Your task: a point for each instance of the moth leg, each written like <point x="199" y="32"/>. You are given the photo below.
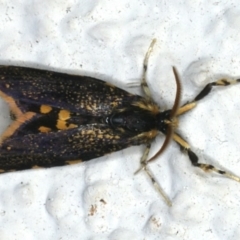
<point x="195" y="161"/>
<point x="143" y="161"/>
<point x="206" y="90"/>
<point x="157" y="186"/>
<point x="144" y="84"/>
<point x="144" y="167"/>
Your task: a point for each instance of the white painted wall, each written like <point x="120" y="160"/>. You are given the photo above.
<point x="108" y="40"/>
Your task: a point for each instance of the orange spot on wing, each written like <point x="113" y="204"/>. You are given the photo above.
<point x="16" y="124"/>
<point x="44" y="129"/>
<point x="72" y="125"/>
<point x="64" y="114"/>
<point x="62" y="125"/>
<point x="45" y="109"/>
<point x="12" y="104"/>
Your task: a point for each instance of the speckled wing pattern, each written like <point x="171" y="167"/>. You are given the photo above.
<point x="59" y="118"/>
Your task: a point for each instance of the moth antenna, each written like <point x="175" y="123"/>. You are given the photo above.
<point x="165" y="144"/>
<point x="172" y="116"/>
<point x="178" y="94"/>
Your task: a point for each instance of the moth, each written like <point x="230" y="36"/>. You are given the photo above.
<point x="61" y="119"/>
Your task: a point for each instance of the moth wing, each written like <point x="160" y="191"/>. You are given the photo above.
<point x="63" y="147"/>
<point x="24" y="88"/>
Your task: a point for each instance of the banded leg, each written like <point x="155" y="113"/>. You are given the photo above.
<point x="206" y="90"/>
<point x="150" y="175"/>
<point x="157" y="186"/>
<point x="144" y="85"/>
<point x="143" y="161"/>
<point x="194" y="159"/>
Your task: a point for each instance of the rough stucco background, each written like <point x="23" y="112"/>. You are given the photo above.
<point x="102" y="199"/>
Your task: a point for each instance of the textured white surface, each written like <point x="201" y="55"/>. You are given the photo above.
<point x="102" y="199"/>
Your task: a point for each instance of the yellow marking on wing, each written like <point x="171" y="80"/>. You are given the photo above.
<point x="72" y="125"/>
<point x="16" y="125"/>
<point x="45" y="109"/>
<point x="44" y="129"/>
<point x="12" y="104"/>
<point x="70" y="162"/>
<point x="62" y="125"/>
<point x="64" y="114"/>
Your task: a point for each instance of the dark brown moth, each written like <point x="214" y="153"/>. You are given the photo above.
<point x="62" y="119"/>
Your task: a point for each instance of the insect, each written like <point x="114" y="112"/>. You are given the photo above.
<point x="61" y="119"/>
